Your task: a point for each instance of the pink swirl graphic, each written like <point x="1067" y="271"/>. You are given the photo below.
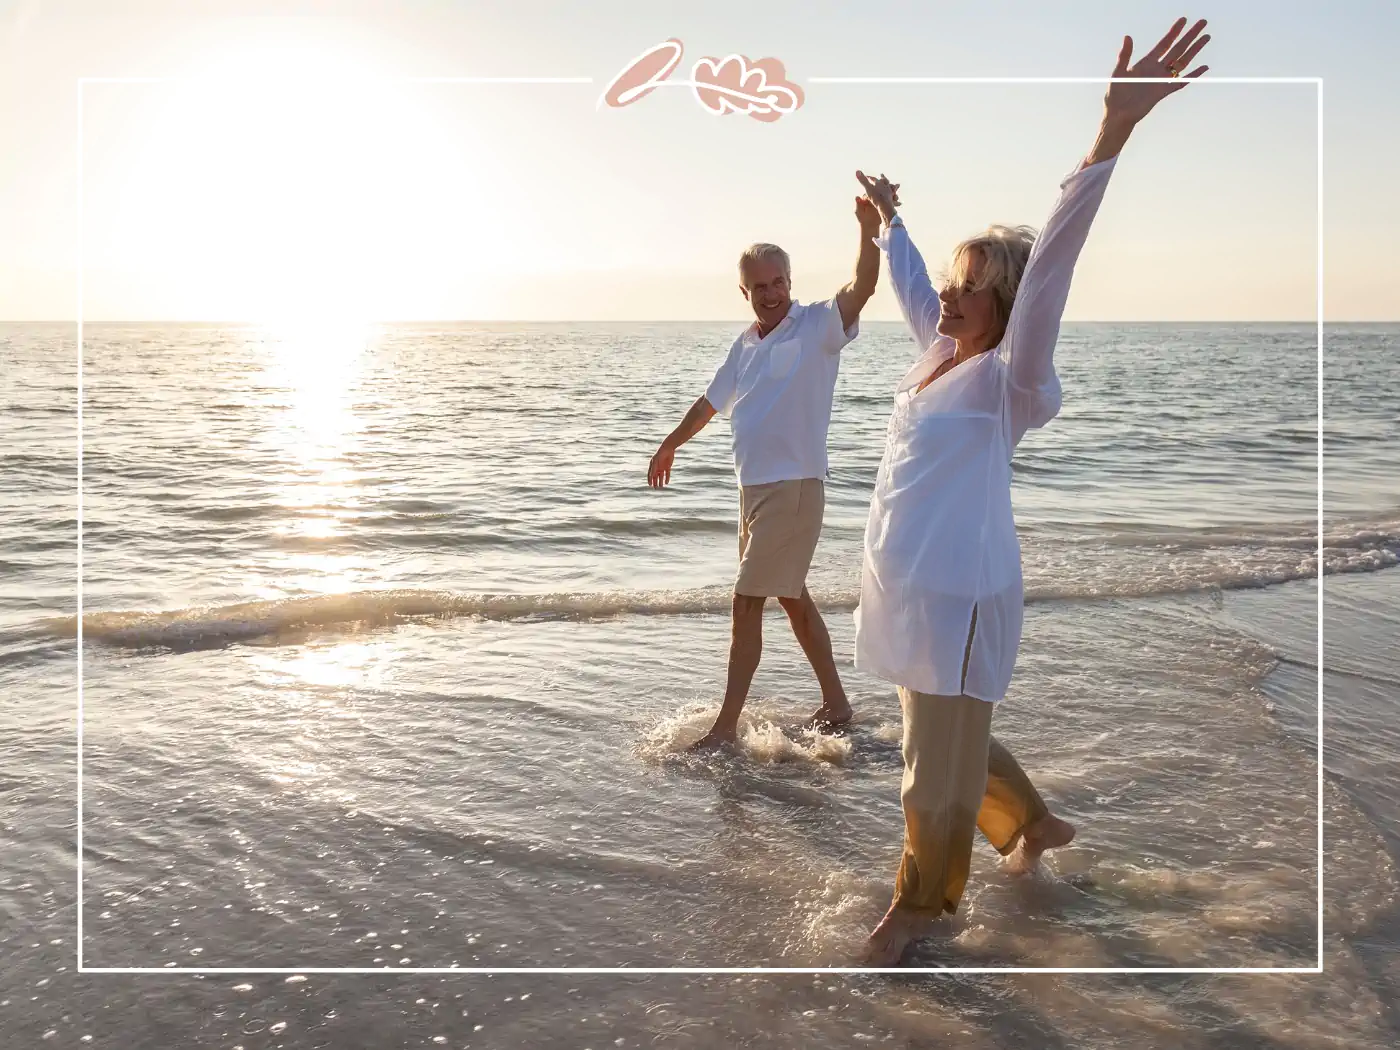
<point x="644" y="74"/>
<point x="734" y="84"/>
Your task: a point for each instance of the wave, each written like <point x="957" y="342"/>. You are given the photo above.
<point x="1063" y="562"/>
<point x="1217" y="579"/>
<point x="205" y="627"/>
<point x="401" y="524"/>
<point x="1337" y="536"/>
<point x="213" y="626"/>
<point x="1332" y="669"/>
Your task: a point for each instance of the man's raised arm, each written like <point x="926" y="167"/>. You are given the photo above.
<point x="851" y="299"/>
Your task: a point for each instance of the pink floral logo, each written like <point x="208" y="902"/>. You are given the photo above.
<point x="734" y="84"/>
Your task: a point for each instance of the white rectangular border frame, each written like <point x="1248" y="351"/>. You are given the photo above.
<point x="82" y="82"/>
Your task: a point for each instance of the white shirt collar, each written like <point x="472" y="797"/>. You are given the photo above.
<point x="751" y="335"/>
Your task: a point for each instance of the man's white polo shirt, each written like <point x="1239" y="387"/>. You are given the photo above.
<point x="777" y="393"/>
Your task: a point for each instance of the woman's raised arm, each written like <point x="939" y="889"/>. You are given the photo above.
<point x="918" y="299"/>
<point x="1034" y="326"/>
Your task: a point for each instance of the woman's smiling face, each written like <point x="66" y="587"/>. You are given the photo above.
<point x="969" y="312"/>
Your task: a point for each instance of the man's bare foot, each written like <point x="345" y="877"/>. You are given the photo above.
<point x="897" y="930"/>
<point x="1050" y="832"/>
<point x="830" y="716"/>
<point x="715" y="739"/>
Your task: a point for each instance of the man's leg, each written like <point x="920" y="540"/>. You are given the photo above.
<point x="812" y="635"/>
<point x="745" y="649"/>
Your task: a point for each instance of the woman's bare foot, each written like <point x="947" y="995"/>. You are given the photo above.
<point x="1049" y="832"/>
<point x="830" y="716"/>
<point x="892" y="937"/>
<point x="715" y="739"/>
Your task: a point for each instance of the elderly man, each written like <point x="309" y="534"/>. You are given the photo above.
<point x="776" y="385"/>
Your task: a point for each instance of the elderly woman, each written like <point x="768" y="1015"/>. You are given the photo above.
<point x="941" y="593"/>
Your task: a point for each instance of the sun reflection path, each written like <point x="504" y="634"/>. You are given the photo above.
<point x="313" y="371"/>
<point x="315" y="365"/>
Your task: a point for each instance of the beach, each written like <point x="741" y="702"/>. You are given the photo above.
<point x="390" y="658"/>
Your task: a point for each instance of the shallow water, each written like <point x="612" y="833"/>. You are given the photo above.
<point x="312" y="739"/>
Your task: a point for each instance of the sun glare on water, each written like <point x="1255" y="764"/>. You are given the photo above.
<point x="312" y="192"/>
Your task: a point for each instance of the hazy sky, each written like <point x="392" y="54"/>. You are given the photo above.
<point x="290" y="174"/>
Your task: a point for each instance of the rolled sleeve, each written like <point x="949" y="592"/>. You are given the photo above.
<point x="724" y="387"/>
<point x="833" y="336"/>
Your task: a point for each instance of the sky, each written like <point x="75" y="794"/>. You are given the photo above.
<point x="286" y="169"/>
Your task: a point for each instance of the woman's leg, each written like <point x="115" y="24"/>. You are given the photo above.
<point x="1011" y="803"/>
<point x="1014" y="817"/>
<point x="945" y="776"/>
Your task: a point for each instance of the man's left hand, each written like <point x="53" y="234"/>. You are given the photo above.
<point x="868" y="216"/>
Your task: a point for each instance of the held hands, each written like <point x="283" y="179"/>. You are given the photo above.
<point x="1127" y="103"/>
<point x="880" y="192"/>
<point x="659" y="471"/>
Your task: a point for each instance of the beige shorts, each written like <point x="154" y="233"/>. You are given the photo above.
<point x="779" y="525"/>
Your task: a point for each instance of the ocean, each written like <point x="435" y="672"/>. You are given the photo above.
<point x="390" y="657"/>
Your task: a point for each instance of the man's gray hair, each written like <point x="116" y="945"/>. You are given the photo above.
<point x="759" y="252"/>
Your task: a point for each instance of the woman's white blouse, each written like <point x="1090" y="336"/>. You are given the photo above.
<point x="941" y="540"/>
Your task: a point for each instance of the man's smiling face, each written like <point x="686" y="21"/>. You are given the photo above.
<point x="766" y="284"/>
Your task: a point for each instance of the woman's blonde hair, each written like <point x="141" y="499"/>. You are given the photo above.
<point x="1005" y="251"/>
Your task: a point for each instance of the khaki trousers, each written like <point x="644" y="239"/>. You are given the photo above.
<point x="956" y="778"/>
